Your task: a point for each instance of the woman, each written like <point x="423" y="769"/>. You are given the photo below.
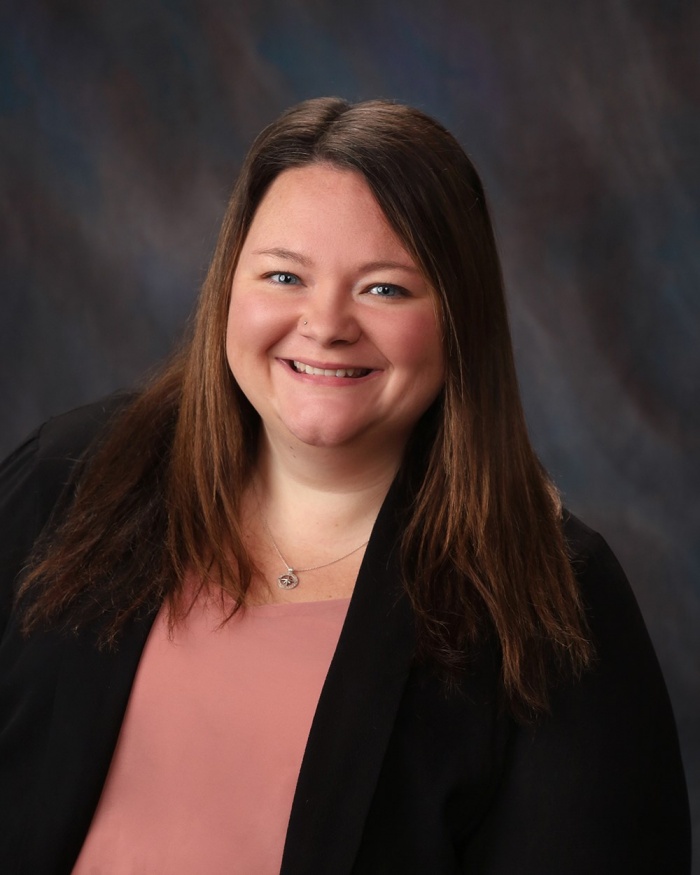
<point x="310" y="600"/>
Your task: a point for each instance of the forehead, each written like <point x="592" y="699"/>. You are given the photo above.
<point x="320" y="204"/>
<point x="316" y="180"/>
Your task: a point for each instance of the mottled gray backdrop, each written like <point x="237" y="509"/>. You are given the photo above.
<point x="122" y="125"/>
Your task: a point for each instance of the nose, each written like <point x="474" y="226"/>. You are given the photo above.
<point x="329" y="318"/>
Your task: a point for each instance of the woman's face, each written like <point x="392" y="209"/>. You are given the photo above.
<point x="332" y="330"/>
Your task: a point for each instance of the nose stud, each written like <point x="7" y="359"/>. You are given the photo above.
<point x="306" y="322"/>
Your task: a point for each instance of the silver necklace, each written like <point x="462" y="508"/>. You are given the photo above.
<point x="290" y="579"/>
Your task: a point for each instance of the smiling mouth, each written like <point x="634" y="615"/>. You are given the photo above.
<point x="302" y="368"/>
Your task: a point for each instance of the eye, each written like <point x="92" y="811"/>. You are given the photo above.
<point x="283" y="279"/>
<point x="386" y="290"/>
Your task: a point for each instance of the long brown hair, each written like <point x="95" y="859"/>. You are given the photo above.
<point x="483" y="549"/>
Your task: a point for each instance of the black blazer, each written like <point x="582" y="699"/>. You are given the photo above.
<point x="397" y="777"/>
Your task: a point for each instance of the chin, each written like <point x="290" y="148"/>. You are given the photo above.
<point x="322" y="438"/>
<point x="325" y="434"/>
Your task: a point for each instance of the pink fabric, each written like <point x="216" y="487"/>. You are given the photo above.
<point x="204" y="772"/>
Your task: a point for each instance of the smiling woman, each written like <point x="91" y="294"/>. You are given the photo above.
<point x="309" y="603"/>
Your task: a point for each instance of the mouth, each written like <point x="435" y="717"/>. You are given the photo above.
<point x="353" y="373"/>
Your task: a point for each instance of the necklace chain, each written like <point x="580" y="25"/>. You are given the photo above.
<point x="290" y="580"/>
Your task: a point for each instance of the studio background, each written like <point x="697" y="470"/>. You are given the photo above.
<point x="122" y="126"/>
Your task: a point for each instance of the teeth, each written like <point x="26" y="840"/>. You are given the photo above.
<point x="322" y="372"/>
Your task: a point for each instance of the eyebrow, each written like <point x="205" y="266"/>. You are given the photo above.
<point x="304" y="261"/>
<point x="289" y="254"/>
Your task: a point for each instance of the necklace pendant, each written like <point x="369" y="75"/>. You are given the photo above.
<point x="289" y="580"/>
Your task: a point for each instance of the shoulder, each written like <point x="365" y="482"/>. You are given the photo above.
<point x="69" y="435"/>
<point x="625" y="672"/>
<point x="608" y="598"/>
<point x="586" y="546"/>
<point x="47" y="459"/>
<point x="37" y="474"/>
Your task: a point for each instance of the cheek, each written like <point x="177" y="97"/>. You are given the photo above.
<point x="420" y="345"/>
<point x="252" y="326"/>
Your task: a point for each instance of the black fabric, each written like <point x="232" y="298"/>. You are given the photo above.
<point x="398" y="776"/>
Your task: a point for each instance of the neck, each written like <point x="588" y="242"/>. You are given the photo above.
<point x="324" y="489"/>
<point x="318" y="506"/>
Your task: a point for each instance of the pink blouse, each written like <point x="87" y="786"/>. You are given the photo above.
<point x="204" y="772"/>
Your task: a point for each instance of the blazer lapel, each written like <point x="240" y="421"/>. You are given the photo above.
<point x="356" y="711"/>
<point x="92" y="692"/>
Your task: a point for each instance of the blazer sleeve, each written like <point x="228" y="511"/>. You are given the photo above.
<point x="597" y="786"/>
